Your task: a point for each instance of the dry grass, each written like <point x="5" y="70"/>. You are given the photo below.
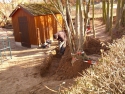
<point x="107" y="77"/>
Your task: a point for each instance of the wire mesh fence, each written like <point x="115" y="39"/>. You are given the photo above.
<point x="5" y="48"/>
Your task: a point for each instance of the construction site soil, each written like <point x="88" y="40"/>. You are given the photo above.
<point x="62" y="68"/>
<point x="42" y="71"/>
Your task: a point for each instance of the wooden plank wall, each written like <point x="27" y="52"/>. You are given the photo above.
<point x="60" y="20"/>
<point x="45" y="26"/>
<point x="41" y="26"/>
<point x="48" y="26"/>
<point x="31" y="26"/>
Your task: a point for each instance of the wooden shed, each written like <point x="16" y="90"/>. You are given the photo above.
<point x="33" y="24"/>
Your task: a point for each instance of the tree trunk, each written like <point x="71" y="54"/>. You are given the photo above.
<point x="118" y="14"/>
<point x="81" y="26"/>
<point x="77" y="24"/>
<point x="111" y="18"/>
<point x="93" y="27"/>
<point x="70" y="25"/>
<point x="123" y="14"/>
<point x="104" y="11"/>
<point x="87" y="19"/>
<point x="108" y="17"/>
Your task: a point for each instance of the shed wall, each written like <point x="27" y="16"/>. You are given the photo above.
<point x="31" y="26"/>
<point x="40" y="28"/>
<point x="47" y="26"/>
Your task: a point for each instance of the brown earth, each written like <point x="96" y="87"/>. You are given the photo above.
<point x="29" y="72"/>
<point x="64" y="68"/>
<point x="21" y="74"/>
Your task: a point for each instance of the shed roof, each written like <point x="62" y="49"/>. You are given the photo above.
<point x="36" y="9"/>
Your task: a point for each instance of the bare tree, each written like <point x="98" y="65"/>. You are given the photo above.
<point x="104" y="11"/>
<point x="93" y="27"/>
<point x="118" y="13"/>
<point x="111" y="19"/>
<point x="75" y="33"/>
<point x="7" y="6"/>
<point x="123" y="17"/>
<point x="108" y="16"/>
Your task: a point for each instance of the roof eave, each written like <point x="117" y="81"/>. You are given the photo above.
<point x="18" y="7"/>
<point x="14" y="11"/>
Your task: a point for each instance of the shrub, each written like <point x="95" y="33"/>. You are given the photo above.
<point x="107" y="76"/>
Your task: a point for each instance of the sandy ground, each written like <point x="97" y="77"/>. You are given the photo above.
<point x="21" y="74"/>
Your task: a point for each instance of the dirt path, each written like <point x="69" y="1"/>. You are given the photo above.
<point x="21" y="74"/>
<point x="100" y="31"/>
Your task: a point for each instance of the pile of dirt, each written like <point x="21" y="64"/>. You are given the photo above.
<point x="50" y="65"/>
<point x="46" y="65"/>
<point x="119" y="33"/>
<point x="67" y="70"/>
<point x="62" y="68"/>
<point x="93" y="46"/>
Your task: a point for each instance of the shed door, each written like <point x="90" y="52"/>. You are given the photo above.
<point x="23" y="27"/>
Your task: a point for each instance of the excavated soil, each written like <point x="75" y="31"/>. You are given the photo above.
<point x="62" y="68"/>
<point x="119" y="33"/>
<point x="93" y="46"/>
<point x="36" y="71"/>
<point x="67" y="70"/>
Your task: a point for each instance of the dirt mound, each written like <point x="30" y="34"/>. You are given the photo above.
<point x="46" y="65"/>
<point x="119" y="33"/>
<point x="66" y="70"/>
<point x="93" y="46"/>
<point x="62" y="68"/>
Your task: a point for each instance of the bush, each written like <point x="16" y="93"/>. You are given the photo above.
<point x="107" y="77"/>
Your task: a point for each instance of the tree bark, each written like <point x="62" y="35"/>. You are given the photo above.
<point x="108" y="17"/>
<point x="111" y="19"/>
<point x="104" y="11"/>
<point x="93" y="27"/>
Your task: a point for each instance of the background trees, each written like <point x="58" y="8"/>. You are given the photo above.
<point x="7" y="6"/>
